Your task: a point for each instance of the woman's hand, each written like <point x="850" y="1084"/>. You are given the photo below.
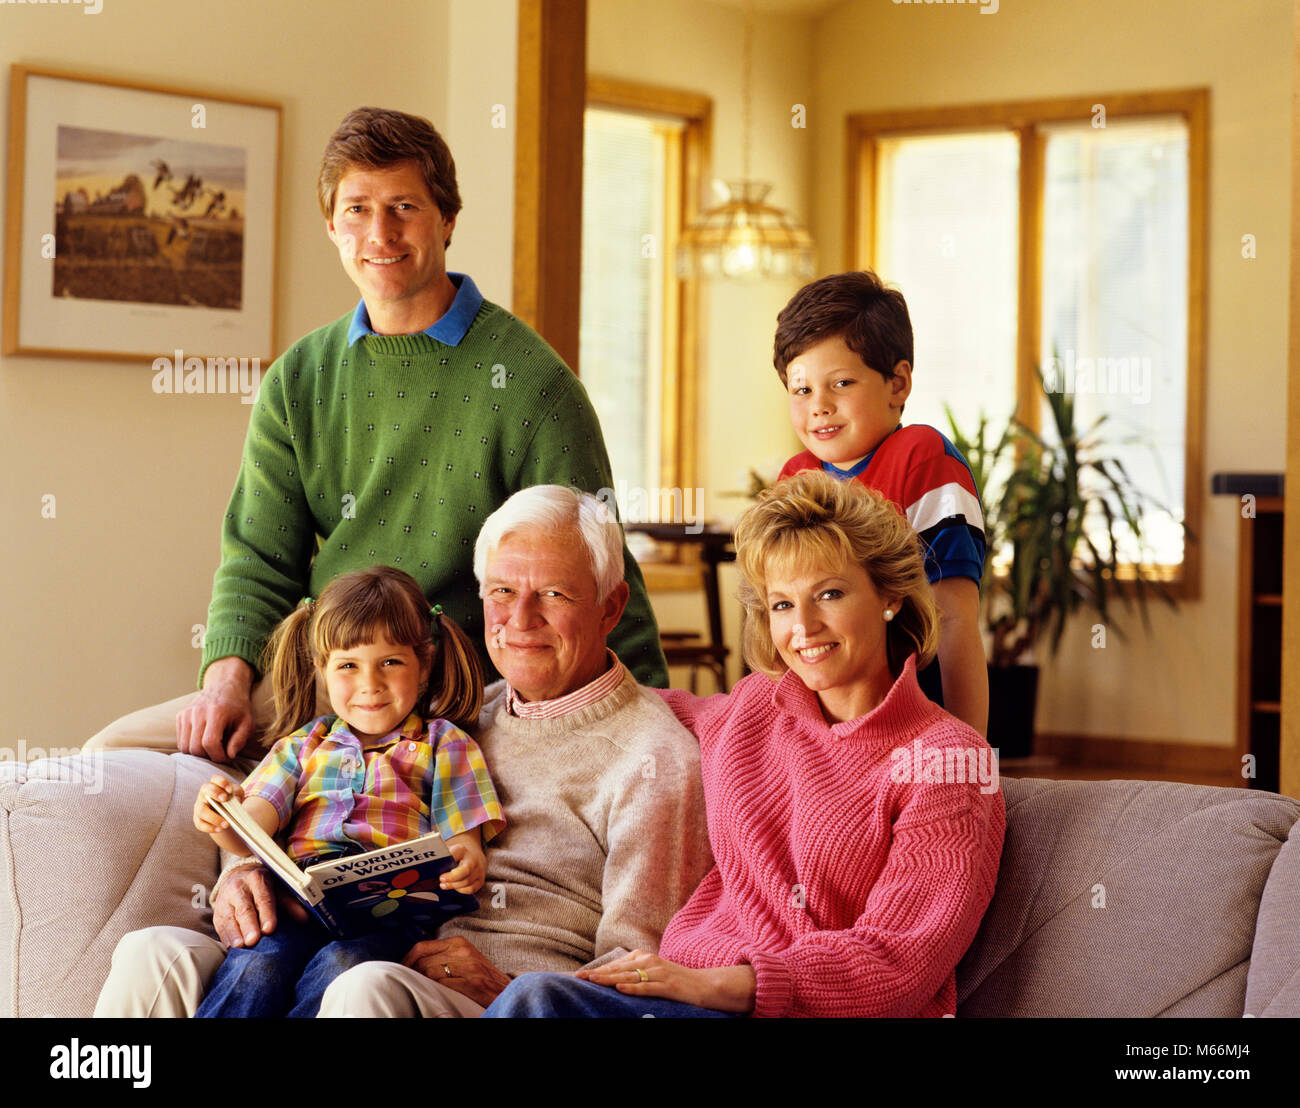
<point x="726" y="988"/>
<point x="217" y="787"/>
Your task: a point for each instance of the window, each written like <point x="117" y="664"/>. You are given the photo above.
<point x="644" y="158"/>
<point x="1061" y="235"/>
<point x="1114" y="296"/>
<point x="622" y="321"/>
<point x="953" y="253"/>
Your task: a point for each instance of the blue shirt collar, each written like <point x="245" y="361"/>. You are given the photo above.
<point x="847" y="474"/>
<point x="449" y="330"/>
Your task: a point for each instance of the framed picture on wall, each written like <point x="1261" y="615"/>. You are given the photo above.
<point x="140" y="222"/>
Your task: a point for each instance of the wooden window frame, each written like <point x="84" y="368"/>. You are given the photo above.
<point x="679" y="438"/>
<point x="1026" y="118"/>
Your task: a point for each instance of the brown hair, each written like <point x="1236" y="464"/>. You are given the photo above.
<point x="353" y="610"/>
<point x="871" y="318"/>
<point x="378" y="138"/>
<point x="814" y="518"/>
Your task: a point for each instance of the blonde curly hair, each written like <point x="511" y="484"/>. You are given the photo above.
<point x="814" y="518"/>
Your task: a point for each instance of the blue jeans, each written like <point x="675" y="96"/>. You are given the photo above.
<point x="286" y="972"/>
<point x="559" y="996"/>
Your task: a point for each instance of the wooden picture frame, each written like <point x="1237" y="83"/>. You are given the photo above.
<point x="141" y="220"/>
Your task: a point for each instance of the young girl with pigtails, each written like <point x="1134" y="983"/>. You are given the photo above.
<point x="391" y="763"/>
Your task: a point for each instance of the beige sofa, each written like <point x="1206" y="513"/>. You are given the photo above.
<point x="1115" y="898"/>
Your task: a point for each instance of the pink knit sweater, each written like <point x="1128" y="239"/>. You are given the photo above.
<point x="851" y="887"/>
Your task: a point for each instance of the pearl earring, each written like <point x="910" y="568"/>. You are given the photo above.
<point x="889" y="614"/>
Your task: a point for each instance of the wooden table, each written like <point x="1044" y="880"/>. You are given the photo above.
<point x="715" y="547"/>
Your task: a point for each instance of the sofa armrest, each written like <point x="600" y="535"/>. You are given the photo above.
<point x="1273" y="983"/>
<point x="1137" y="898"/>
<point x="91" y="847"/>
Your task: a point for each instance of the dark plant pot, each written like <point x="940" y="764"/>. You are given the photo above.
<point x="1013" y="695"/>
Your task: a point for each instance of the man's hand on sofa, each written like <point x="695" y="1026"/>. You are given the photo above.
<point x="244" y="908"/>
<point x="459" y="965"/>
<point x="223" y="707"/>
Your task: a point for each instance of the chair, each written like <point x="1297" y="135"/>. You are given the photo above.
<point x="689" y="648"/>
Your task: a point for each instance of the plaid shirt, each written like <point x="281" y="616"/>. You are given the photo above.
<point x="335" y="793"/>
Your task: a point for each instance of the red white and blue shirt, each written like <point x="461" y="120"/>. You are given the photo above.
<point x="931" y="483"/>
<point x="336" y="793"/>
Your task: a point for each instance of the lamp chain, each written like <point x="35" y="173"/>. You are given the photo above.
<point x="747" y="69"/>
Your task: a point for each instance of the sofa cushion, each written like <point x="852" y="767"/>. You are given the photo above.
<point x="1125" y="898"/>
<point x="92" y="847"/>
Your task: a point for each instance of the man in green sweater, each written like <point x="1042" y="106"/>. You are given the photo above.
<point x="387" y="436"/>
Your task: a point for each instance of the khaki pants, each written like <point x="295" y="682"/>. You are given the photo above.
<point x="154" y="728"/>
<point x="159" y="972"/>
<point x="389" y="990"/>
<point x="163" y="972"/>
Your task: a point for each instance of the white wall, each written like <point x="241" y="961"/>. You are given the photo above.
<point x="480" y="75"/>
<point x="99" y="601"/>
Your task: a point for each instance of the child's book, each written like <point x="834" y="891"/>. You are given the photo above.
<point x="358" y="893"/>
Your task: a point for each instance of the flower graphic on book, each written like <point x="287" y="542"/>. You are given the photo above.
<point x="384" y="895"/>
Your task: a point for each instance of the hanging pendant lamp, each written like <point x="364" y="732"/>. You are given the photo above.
<point x="743" y="237"/>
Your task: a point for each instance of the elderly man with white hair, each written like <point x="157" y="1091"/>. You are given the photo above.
<point x="605" y="835"/>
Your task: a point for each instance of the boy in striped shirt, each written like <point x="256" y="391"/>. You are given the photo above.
<point x="843" y="351"/>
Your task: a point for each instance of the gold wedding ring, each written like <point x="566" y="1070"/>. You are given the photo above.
<point x="643" y="975"/>
<point x="445" y="971"/>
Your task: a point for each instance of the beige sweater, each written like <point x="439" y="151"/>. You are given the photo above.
<point x="605" y="835"/>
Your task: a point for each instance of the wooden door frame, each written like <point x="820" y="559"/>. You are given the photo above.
<point x="551" y="96"/>
<point x="1289" y="752"/>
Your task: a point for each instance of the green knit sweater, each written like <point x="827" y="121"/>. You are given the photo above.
<point x="394" y="451"/>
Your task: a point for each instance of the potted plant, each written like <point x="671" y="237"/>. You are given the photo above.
<point x="1058" y="509"/>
